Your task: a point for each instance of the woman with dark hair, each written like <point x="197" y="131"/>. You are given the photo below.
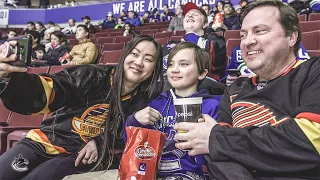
<point x="36" y="46"/>
<point x="91" y="104"/>
<point x="123" y="15"/>
<point x="129" y="30"/>
<point x="85" y="52"/>
<point x="40" y="28"/>
<point x="57" y="49"/>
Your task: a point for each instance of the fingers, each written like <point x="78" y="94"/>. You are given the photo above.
<point x="185" y="126"/>
<point x="86" y="157"/>
<point x="184" y="145"/>
<point x="13" y="43"/>
<point x="93" y="158"/>
<point x="201" y="120"/>
<point x="8" y="68"/>
<point x="156" y="114"/>
<point x="79" y="157"/>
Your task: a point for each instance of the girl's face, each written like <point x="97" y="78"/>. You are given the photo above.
<point x="183" y="72"/>
<point x="220" y="5"/>
<point x="55" y="40"/>
<point x="81" y="33"/>
<point x="140" y="64"/>
<point x="120" y="21"/>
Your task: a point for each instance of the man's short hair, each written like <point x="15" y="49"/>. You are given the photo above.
<point x="31" y="23"/>
<point x="227" y="3"/>
<point x="205" y="5"/>
<point x="288" y="17"/>
<point x="241" y="1"/>
<point x="51" y="22"/>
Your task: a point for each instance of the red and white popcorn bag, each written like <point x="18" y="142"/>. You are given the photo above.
<point x="141" y="154"/>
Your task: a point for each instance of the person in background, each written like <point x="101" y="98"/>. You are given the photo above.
<point x="40" y="28"/>
<point x="96" y="97"/>
<point x="36" y="46"/>
<point x="120" y="23"/>
<point x="57" y="49"/>
<point x="47" y="36"/>
<point x="230" y="20"/>
<point x="51" y="24"/>
<point x="44" y="4"/>
<point x="145" y="18"/>
<point x="206" y="9"/>
<point x="108" y="23"/>
<point x="71" y="29"/>
<point x="30" y="27"/>
<point x="243" y="3"/>
<point x="132" y="19"/>
<point x="86" y="21"/>
<point x="10" y="34"/>
<point x="123" y="14"/>
<point x="167" y="15"/>
<point x="155" y="17"/>
<point x="85" y="52"/>
<point x="129" y="30"/>
<point x="176" y="24"/>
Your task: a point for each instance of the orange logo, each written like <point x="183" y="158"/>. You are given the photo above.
<point x="91" y="123"/>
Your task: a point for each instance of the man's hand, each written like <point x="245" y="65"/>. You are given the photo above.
<point x="230" y="79"/>
<point x="148" y="115"/>
<point x="88" y="155"/>
<point x="197" y="136"/>
<point x="6" y="68"/>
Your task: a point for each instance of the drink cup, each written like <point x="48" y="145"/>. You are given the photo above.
<point x="188" y="110"/>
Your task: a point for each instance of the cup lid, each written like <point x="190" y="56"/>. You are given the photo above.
<point x="183" y="101"/>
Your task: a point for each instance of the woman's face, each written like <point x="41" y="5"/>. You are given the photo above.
<point x="140" y="63"/>
<point x="127" y="27"/>
<point x="220" y="5"/>
<point x="38" y="27"/>
<point x="81" y="33"/>
<point x="55" y="40"/>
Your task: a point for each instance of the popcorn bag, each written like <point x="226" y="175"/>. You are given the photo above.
<point x="64" y="58"/>
<point x="141" y="154"/>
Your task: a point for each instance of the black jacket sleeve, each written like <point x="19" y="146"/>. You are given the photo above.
<point x="31" y="93"/>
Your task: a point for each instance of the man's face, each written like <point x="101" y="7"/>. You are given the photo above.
<point x="30" y="27"/>
<point x="227" y="9"/>
<point x="86" y="21"/>
<point x="264" y="45"/>
<point x="110" y="18"/>
<point x="71" y="23"/>
<point x="130" y="14"/>
<point x="179" y="10"/>
<point x="206" y="9"/>
<point x="11" y="34"/>
<point x="194" y="21"/>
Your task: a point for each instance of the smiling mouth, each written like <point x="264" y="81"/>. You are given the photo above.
<point x="175" y="78"/>
<point x="136" y="70"/>
<point x="190" y="20"/>
<point x="253" y="52"/>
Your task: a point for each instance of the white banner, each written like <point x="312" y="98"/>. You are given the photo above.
<point x="4" y="17"/>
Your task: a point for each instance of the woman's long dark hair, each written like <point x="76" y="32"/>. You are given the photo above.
<point x="150" y="88"/>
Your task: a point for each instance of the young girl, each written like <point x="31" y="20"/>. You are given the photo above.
<point x="188" y="65"/>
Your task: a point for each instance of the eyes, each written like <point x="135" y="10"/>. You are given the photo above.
<point x="258" y="31"/>
<point x="183" y="64"/>
<point x="136" y="55"/>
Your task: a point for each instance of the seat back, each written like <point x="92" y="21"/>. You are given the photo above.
<point x="311" y="40"/>
<point x="234" y="34"/>
<point x="124" y="39"/>
<point x="163" y="41"/>
<point x="4" y="115"/>
<point x="231" y="44"/>
<point x="112" y="46"/>
<point x="102" y="40"/>
<point x="38" y="70"/>
<point x="110" y="57"/>
<point x="314" y="17"/>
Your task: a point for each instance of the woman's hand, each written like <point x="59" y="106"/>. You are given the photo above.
<point x="5" y="68"/>
<point x="88" y="155"/>
<point x="147" y="116"/>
